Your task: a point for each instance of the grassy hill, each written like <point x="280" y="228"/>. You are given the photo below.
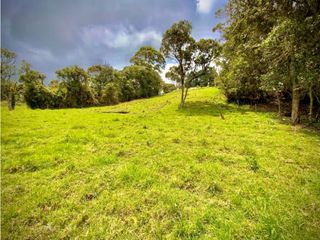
<point x="158" y="172"/>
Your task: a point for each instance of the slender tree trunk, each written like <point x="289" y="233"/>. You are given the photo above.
<point x="185" y="95"/>
<point x="295" y="118"/>
<point x="11" y="98"/>
<point x="295" y="104"/>
<point x="318" y="113"/>
<point x="311" y="103"/>
<point x="182" y="95"/>
<point x="279" y="103"/>
<point x="10" y="101"/>
<point x="13" y="101"/>
<point x="182" y="84"/>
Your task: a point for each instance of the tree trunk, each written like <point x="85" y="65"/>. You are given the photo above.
<point x="182" y="84"/>
<point x="318" y="113"/>
<point x="13" y="101"/>
<point x="10" y="101"/>
<point x="295" y="104"/>
<point x="311" y="103"/>
<point x="295" y="118"/>
<point x="182" y="96"/>
<point x="185" y="95"/>
<point x="279" y="103"/>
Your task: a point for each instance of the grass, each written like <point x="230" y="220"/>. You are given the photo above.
<point x="158" y="172"/>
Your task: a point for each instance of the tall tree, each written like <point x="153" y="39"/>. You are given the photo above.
<point x="149" y="57"/>
<point x="75" y="80"/>
<point x="8" y="73"/>
<point x="145" y="81"/>
<point x="292" y="46"/>
<point x="35" y="93"/>
<point x="101" y="76"/>
<point x="199" y="69"/>
<point x="177" y="44"/>
<point x="267" y="45"/>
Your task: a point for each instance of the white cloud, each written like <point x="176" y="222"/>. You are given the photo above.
<point x="204" y="6"/>
<point x="120" y="38"/>
<point x="40" y="55"/>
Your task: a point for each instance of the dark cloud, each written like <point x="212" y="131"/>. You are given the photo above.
<point x="53" y="34"/>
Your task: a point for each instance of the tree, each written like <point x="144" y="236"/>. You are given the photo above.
<point x="206" y="79"/>
<point x="140" y="82"/>
<point x="177" y="44"/>
<point x="242" y="63"/>
<point x="54" y="86"/>
<point x="58" y="92"/>
<point x="292" y="47"/>
<point x="111" y="93"/>
<point x="78" y="92"/>
<point x="269" y="45"/>
<point x="149" y="57"/>
<point x="201" y="72"/>
<point x="35" y="93"/>
<point x="193" y="58"/>
<point x="101" y="76"/>
<point x="8" y="72"/>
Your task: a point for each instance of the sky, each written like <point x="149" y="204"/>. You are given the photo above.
<point x="53" y="34"/>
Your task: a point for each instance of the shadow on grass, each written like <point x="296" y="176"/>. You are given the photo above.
<point x="206" y="108"/>
<point x="198" y="108"/>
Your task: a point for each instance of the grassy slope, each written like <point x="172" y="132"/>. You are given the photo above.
<point x="158" y="172"/>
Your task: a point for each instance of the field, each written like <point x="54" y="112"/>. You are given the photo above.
<point x="158" y="172"/>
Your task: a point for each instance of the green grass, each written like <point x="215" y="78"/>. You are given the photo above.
<point x="158" y="172"/>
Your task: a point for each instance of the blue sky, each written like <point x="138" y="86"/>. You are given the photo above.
<point x="52" y="34"/>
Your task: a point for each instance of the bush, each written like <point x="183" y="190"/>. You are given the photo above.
<point x="168" y="87"/>
<point x="37" y="96"/>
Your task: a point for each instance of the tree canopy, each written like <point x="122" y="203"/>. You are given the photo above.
<point x="193" y="58"/>
<point x="149" y="57"/>
<point x="271" y="48"/>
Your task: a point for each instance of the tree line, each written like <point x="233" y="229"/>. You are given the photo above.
<point x="104" y="85"/>
<point x="76" y="87"/>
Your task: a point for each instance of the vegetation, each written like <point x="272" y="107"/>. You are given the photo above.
<point x="158" y="172"/>
<point x="75" y="87"/>
<point x="149" y="57"/>
<point x="213" y="168"/>
<point x="168" y="87"/>
<point x="272" y="49"/>
<point x="8" y="72"/>
<point x="193" y="58"/>
<point x="270" y="53"/>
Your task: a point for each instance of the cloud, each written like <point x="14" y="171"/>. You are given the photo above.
<point x="204" y="6"/>
<point x="51" y="36"/>
<point x="122" y="37"/>
<point x="40" y="55"/>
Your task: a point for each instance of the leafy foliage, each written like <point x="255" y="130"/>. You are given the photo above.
<point x="35" y="93"/>
<point x="149" y="57"/>
<point x="271" y="48"/>
<point x="75" y="81"/>
<point x="193" y="58"/>
<point x="146" y="81"/>
<point x="8" y="73"/>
